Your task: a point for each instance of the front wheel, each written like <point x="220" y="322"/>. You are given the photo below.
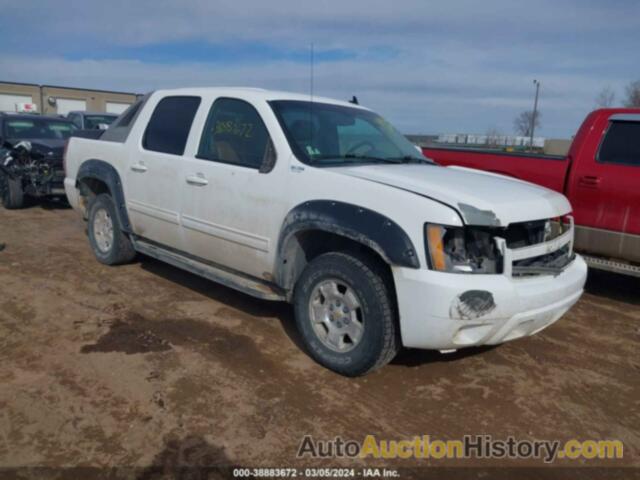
<point x="110" y="244"/>
<point x="346" y="314"/>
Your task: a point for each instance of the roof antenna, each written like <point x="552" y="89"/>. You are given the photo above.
<point x="311" y="99"/>
<point x="311" y="71"/>
<point x="354" y="100"/>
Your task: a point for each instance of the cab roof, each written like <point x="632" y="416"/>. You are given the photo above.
<point x="256" y="94"/>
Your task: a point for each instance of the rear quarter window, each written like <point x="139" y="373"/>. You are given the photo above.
<point x="621" y="144"/>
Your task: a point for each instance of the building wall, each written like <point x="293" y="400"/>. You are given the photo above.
<point x="43" y="95"/>
<point x="22" y="89"/>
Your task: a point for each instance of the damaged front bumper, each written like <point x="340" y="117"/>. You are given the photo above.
<point x="445" y="311"/>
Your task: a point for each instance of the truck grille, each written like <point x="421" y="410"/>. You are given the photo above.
<point x="549" y="264"/>
<point x="525" y="234"/>
<point x="542" y="247"/>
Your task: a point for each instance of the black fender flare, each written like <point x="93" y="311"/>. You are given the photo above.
<point x="106" y="173"/>
<point x="360" y="224"/>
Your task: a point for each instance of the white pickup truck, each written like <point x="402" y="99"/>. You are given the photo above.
<point x="323" y="204"/>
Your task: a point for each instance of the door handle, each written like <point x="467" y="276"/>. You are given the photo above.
<point x="197" y="180"/>
<point x="138" y="167"/>
<point x="589" y="181"/>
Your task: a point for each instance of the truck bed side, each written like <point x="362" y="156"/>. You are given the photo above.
<point x="80" y="150"/>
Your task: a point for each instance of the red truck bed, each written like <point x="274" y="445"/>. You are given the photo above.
<point x="546" y="170"/>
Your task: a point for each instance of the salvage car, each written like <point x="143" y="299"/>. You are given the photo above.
<point x="31" y="157"/>
<point x="91" y="120"/>
<point x="323" y="204"/>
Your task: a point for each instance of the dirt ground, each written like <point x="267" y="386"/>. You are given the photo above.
<point x="144" y="365"/>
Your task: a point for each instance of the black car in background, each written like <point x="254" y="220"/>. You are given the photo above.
<point x="31" y="149"/>
<point x="91" y="120"/>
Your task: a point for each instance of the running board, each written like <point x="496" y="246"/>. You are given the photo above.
<point x="612" y="266"/>
<point x="245" y="284"/>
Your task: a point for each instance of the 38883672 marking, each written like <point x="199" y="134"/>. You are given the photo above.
<point x="265" y="472"/>
<point x="325" y="472"/>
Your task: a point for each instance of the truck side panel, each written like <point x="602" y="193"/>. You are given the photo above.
<point x="80" y="150"/>
<point x="605" y="194"/>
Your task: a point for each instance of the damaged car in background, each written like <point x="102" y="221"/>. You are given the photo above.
<point x="325" y="205"/>
<point x="31" y="157"/>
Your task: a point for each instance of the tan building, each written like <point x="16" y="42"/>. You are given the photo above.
<point x="53" y="100"/>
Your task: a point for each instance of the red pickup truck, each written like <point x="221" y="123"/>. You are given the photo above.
<point x="600" y="176"/>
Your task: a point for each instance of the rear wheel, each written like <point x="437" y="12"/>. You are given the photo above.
<point x="346" y="314"/>
<point x="12" y="193"/>
<point x="110" y="244"/>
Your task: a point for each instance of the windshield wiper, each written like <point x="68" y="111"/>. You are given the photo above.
<point x="357" y="157"/>
<point x="411" y="159"/>
<point x="392" y="160"/>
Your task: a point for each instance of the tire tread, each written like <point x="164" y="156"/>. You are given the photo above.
<point x="379" y="279"/>
<point x="14" y="195"/>
<point x="124" y="251"/>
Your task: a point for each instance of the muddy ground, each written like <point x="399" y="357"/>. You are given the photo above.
<point x="144" y="365"/>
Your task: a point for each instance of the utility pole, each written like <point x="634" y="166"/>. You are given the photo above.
<point x="535" y="113"/>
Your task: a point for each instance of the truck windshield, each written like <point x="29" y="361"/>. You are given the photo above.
<point x="40" y="128"/>
<point x="322" y="134"/>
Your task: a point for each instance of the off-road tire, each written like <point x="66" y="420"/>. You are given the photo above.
<point x="121" y="249"/>
<point x="380" y="341"/>
<point x="12" y="194"/>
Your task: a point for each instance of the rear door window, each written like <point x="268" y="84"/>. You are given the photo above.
<point x="169" y="125"/>
<point x="621" y="144"/>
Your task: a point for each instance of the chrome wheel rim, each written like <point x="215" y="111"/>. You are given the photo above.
<point x="103" y="230"/>
<point x="336" y="315"/>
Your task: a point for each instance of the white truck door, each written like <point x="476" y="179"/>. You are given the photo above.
<point x="154" y="172"/>
<point x="231" y="212"/>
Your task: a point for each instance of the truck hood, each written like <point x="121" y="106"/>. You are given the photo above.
<point x="481" y="198"/>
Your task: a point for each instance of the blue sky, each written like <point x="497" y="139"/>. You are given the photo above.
<point x="428" y="66"/>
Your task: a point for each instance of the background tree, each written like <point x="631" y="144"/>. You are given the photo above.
<point x="493" y="137"/>
<point x="522" y="123"/>
<point x="633" y="94"/>
<point x="605" y="98"/>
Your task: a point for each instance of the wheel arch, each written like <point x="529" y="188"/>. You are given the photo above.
<point x="97" y="176"/>
<point x="319" y="226"/>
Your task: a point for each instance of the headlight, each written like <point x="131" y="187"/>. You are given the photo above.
<point x="462" y="249"/>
